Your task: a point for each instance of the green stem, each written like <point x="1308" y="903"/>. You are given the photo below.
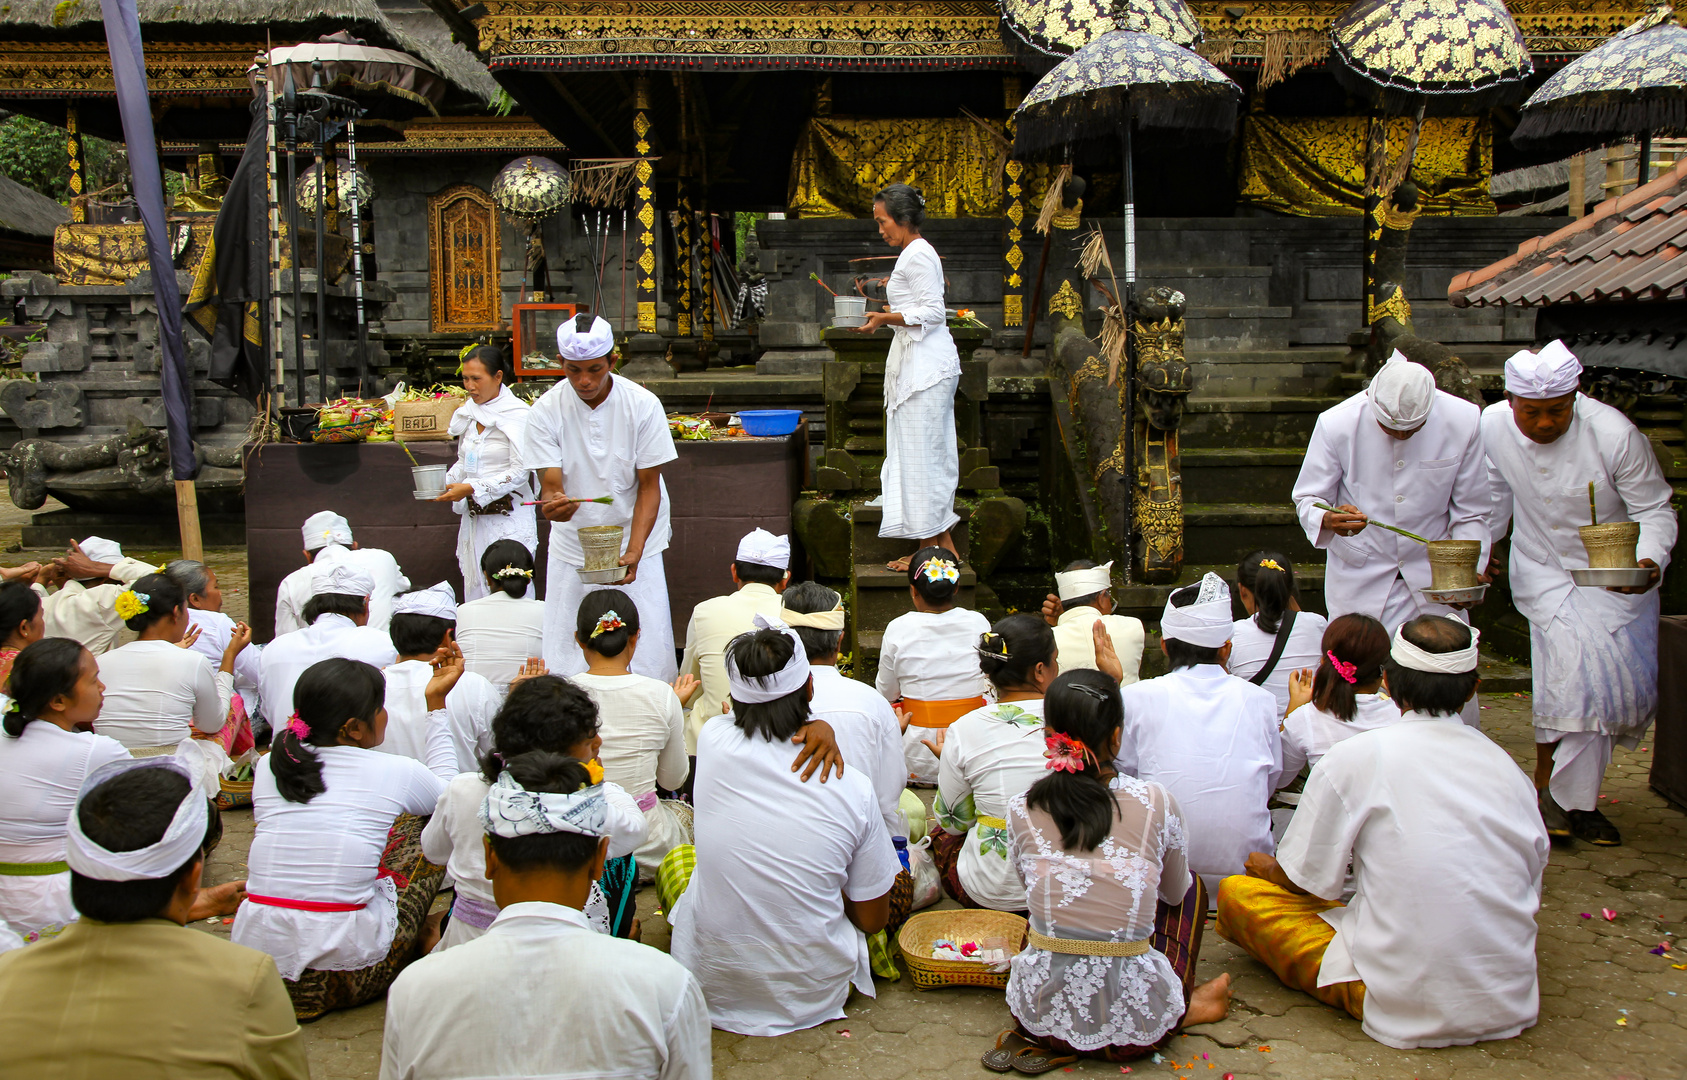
<point x="1378" y="524"/>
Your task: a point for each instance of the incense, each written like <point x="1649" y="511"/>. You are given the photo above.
<point x="1378" y="524"/>
<point x="607" y="500"/>
<point x="816" y="279"/>
<point x="1592" y="506"/>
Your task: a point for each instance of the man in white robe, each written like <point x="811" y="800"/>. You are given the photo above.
<point x="328" y="538"/>
<point x="1437" y="946"/>
<point x="590" y="436"/>
<point x="340" y="628"/>
<point x="760" y="572"/>
<point x="1083" y="596"/>
<point x="1209" y="738"/>
<point x="1593" y="652"/>
<point x="84" y="608"/>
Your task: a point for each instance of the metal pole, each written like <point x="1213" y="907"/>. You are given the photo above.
<point x="1129" y="305"/>
<point x="321" y="267"/>
<point x="357" y="258"/>
<point x="1644" y="176"/>
<point x="292" y="199"/>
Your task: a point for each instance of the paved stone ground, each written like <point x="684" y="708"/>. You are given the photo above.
<point x="1610" y="1010"/>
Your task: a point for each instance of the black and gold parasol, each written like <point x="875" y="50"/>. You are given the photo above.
<point x="1057" y="28"/>
<point x="531" y="188"/>
<point x="1633" y="85"/>
<point x="1440" y="57"/>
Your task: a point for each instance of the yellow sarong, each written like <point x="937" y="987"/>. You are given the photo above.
<point x="1282" y="930"/>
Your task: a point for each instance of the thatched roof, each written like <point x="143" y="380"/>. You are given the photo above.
<point x="27" y="211"/>
<point x="70" y="14"/>
<point x="432" y="42"/>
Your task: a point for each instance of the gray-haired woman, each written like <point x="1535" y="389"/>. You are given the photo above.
<point x="922" y="461"/>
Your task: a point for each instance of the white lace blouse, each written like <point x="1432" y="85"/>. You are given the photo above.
<point x="1107" y="894"/>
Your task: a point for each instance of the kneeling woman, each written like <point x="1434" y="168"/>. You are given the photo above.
<point x="338" y="889"/>
<point x="1107" y="973"/>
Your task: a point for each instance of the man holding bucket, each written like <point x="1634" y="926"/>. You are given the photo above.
<point x="593" y="436"/>
<point x="1594" y="652"/>
<point x="1412" y="456"/>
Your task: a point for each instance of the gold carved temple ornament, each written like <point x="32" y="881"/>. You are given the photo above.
<point x="76" y="165"/>
<point x="1013" y="209"/>
<point x="684" y="221"/>
<point x="645" y="202"/>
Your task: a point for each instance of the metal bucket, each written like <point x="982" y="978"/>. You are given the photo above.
<point x="1612" y="545"/>
<point x="849" y="311"/>
<point x="430" y="480"/>
<point x="601" y="545"/>
<point x="1452" y="563"/>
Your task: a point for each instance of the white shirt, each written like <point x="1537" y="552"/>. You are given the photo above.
<point x="1447" y="848"/>
<point x="89" y="615"/>
<point x="215" y="630"/>
<point x="1309" y="732"/>
<point x="869" y="737"/>
<point x="452" y="838"/>
<point x="915" y="291"/>
<point x="762" y="925"/>
<point x="931" y="656"/>
<point x="600" y="452"/>
<point x="450" y="742"/>
<point x="1210" y="739"/>
<point x="1074" y="641"/>
<point x="714" y="623"/>
<point x="1433" y="484"/>
<point x="157" y="693"/>
<point x="286" y="658"/>
<point x="460" y="1013"/>
<point x="1250" y="648"/>
<point x="643" y="730"/>
<point x="329" y="850"/>
<point x="498" y="634"/>
<point x="989" y="756"/>
<point x="1545" y="487"/>
<point x="489" y="460"/>
<point x="297" y="588"/>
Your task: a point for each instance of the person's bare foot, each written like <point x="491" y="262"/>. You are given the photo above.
<point x="900" y="566"/>
<point x="1210" y="1003"/>
<point x="637" y="932"/>
<point x="218" y="900"/>
<point x="431" y="933"/>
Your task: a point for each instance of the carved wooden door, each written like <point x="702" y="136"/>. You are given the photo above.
<point x="463" y="257"/>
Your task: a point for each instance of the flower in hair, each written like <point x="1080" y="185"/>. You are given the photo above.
<point x="13" y="706"/>
<point x="1270" y="564"/>
<point x="298" y="728"/>
<point x="993" y="645"/>
<point x="510" y="571"/>
<point x="937" y="570"/>
<point x="1349" y="672"/>
<point x="594" y="769"/>
<point x="607" y="623"/>
<point x="1065" y="754"/>
<point x="131" y="603"/>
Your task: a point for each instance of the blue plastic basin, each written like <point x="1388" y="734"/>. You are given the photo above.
<point x="765" y="423"/>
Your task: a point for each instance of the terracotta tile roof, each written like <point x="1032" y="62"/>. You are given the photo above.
<point x="1629" y="248"/>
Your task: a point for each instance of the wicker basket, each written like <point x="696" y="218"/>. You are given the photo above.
<point x="235" y="794"/>
<point x="970" y="924"/>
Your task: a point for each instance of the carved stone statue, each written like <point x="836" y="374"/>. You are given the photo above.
<point x="119" y="473"/>
<point x="1390" y="317"/>
<point x="1163" y="381"/>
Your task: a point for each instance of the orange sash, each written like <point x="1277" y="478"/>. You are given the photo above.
<point x="939" y="714"/>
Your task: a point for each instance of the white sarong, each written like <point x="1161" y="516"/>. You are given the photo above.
<point x="649" y="591"/>
<point x="1592" y="675"/>
<point x="922" y="466"/>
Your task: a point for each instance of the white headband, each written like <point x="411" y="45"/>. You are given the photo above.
<point x="816" y="620"/>
<point x="438" y="601"/>
<point x="1206" y="623"/>
<point x="1401" y="394"/>
<point x="99" y="549"/>
<point x="1550" y="373"/>
<point x="324" y="528"/>
<point x="594" y="344"/>
<point x="750" y="690"/>
<point x="510" y="810"/>
<point x="764" y="549"/>
<point x="1071" y="584"/>
<point x="181" y="841"/>
<point x="342" y="579"/>
<point x="1447" y="663"/>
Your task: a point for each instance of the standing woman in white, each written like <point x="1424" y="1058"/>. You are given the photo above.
<point x="489" y="482"/>
<point x="922" y="464"/>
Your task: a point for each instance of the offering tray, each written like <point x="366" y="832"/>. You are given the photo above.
<point x="1598" y="577"/>
<point x="602" y="577"/>
<point x="1454" y="596"/>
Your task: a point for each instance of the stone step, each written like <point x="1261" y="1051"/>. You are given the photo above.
<point x="1214" y="474"/>
<point x="1239" y="327"/>
<point x="1210" y="286"/>
<point x="1252" y="420"/>
<point x="870" y="547"/>
<point x="881" y="595"/>
<point x="1227" y="532"/>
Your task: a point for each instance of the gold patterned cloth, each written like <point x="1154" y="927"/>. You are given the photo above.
<point x="842" y="162"/>
<point x="1283" y="931"/>
<point x="86" y="254"/>
<point x="1314" y="166"/>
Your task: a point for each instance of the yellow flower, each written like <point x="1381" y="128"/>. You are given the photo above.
<point x="131" y="603"/>
<point x="595" y="771"/>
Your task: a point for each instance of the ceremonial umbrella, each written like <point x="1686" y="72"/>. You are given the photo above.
<point x="1125" y="79"/>
<point x="1050" y="29"/>
<point x="1633" y="85"/>
<point x="530" y="189"/>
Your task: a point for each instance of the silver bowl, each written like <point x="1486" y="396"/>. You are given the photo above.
<point x="428" y="496"/>
<point x="602" y="577"/>
<point x="1618" y="577"/>
<point x="1454" y="596"/>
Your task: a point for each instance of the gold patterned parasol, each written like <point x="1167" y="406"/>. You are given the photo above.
<point x="531" y="188"/>
<point x="1049" y="29"/>
<point x="1441" y="57"/>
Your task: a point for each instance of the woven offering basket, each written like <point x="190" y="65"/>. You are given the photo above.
<point x="235" y="794"/>
<point x="972" y="924"/>
<point x="338" y="428"/>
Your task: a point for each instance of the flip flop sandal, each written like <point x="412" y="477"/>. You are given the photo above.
<point x="1034" y="1061"/>
<point x="1008" y="1043"/>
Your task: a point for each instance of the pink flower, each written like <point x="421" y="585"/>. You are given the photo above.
<point x="1349" y="672"/>
<point x="299" y="728"/>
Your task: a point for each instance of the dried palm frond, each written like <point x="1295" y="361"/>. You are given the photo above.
<point x="1112" y="340"/>
<point x="603" y="182"/>
<point x="1053" y="201"/>
<point x="1095" y="255"/>
<point x="1288" y="51"/>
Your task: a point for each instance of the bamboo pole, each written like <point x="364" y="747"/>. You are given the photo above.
<point x="187" y="515"/>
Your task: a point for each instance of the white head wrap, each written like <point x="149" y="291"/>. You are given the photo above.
<point x="1550" y="373"/>
<point x="1401" y="394"/>
<point x="99" y="549"/>
<point x="747" y="690"/>
<point x="343" y="579"/>
<point x="815" y="620"/>
<point x="1206" y="623"/>
<point x="594" y="344"/>
<point x="1071" y="584"/>
<point x="324" y="528"/>
<point x="439" y="601"/>
<point x="510" y="810"/>
<point x="181" y="841"/>
<point x="1447" y="663"/>
<point x="764" y="549"/>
